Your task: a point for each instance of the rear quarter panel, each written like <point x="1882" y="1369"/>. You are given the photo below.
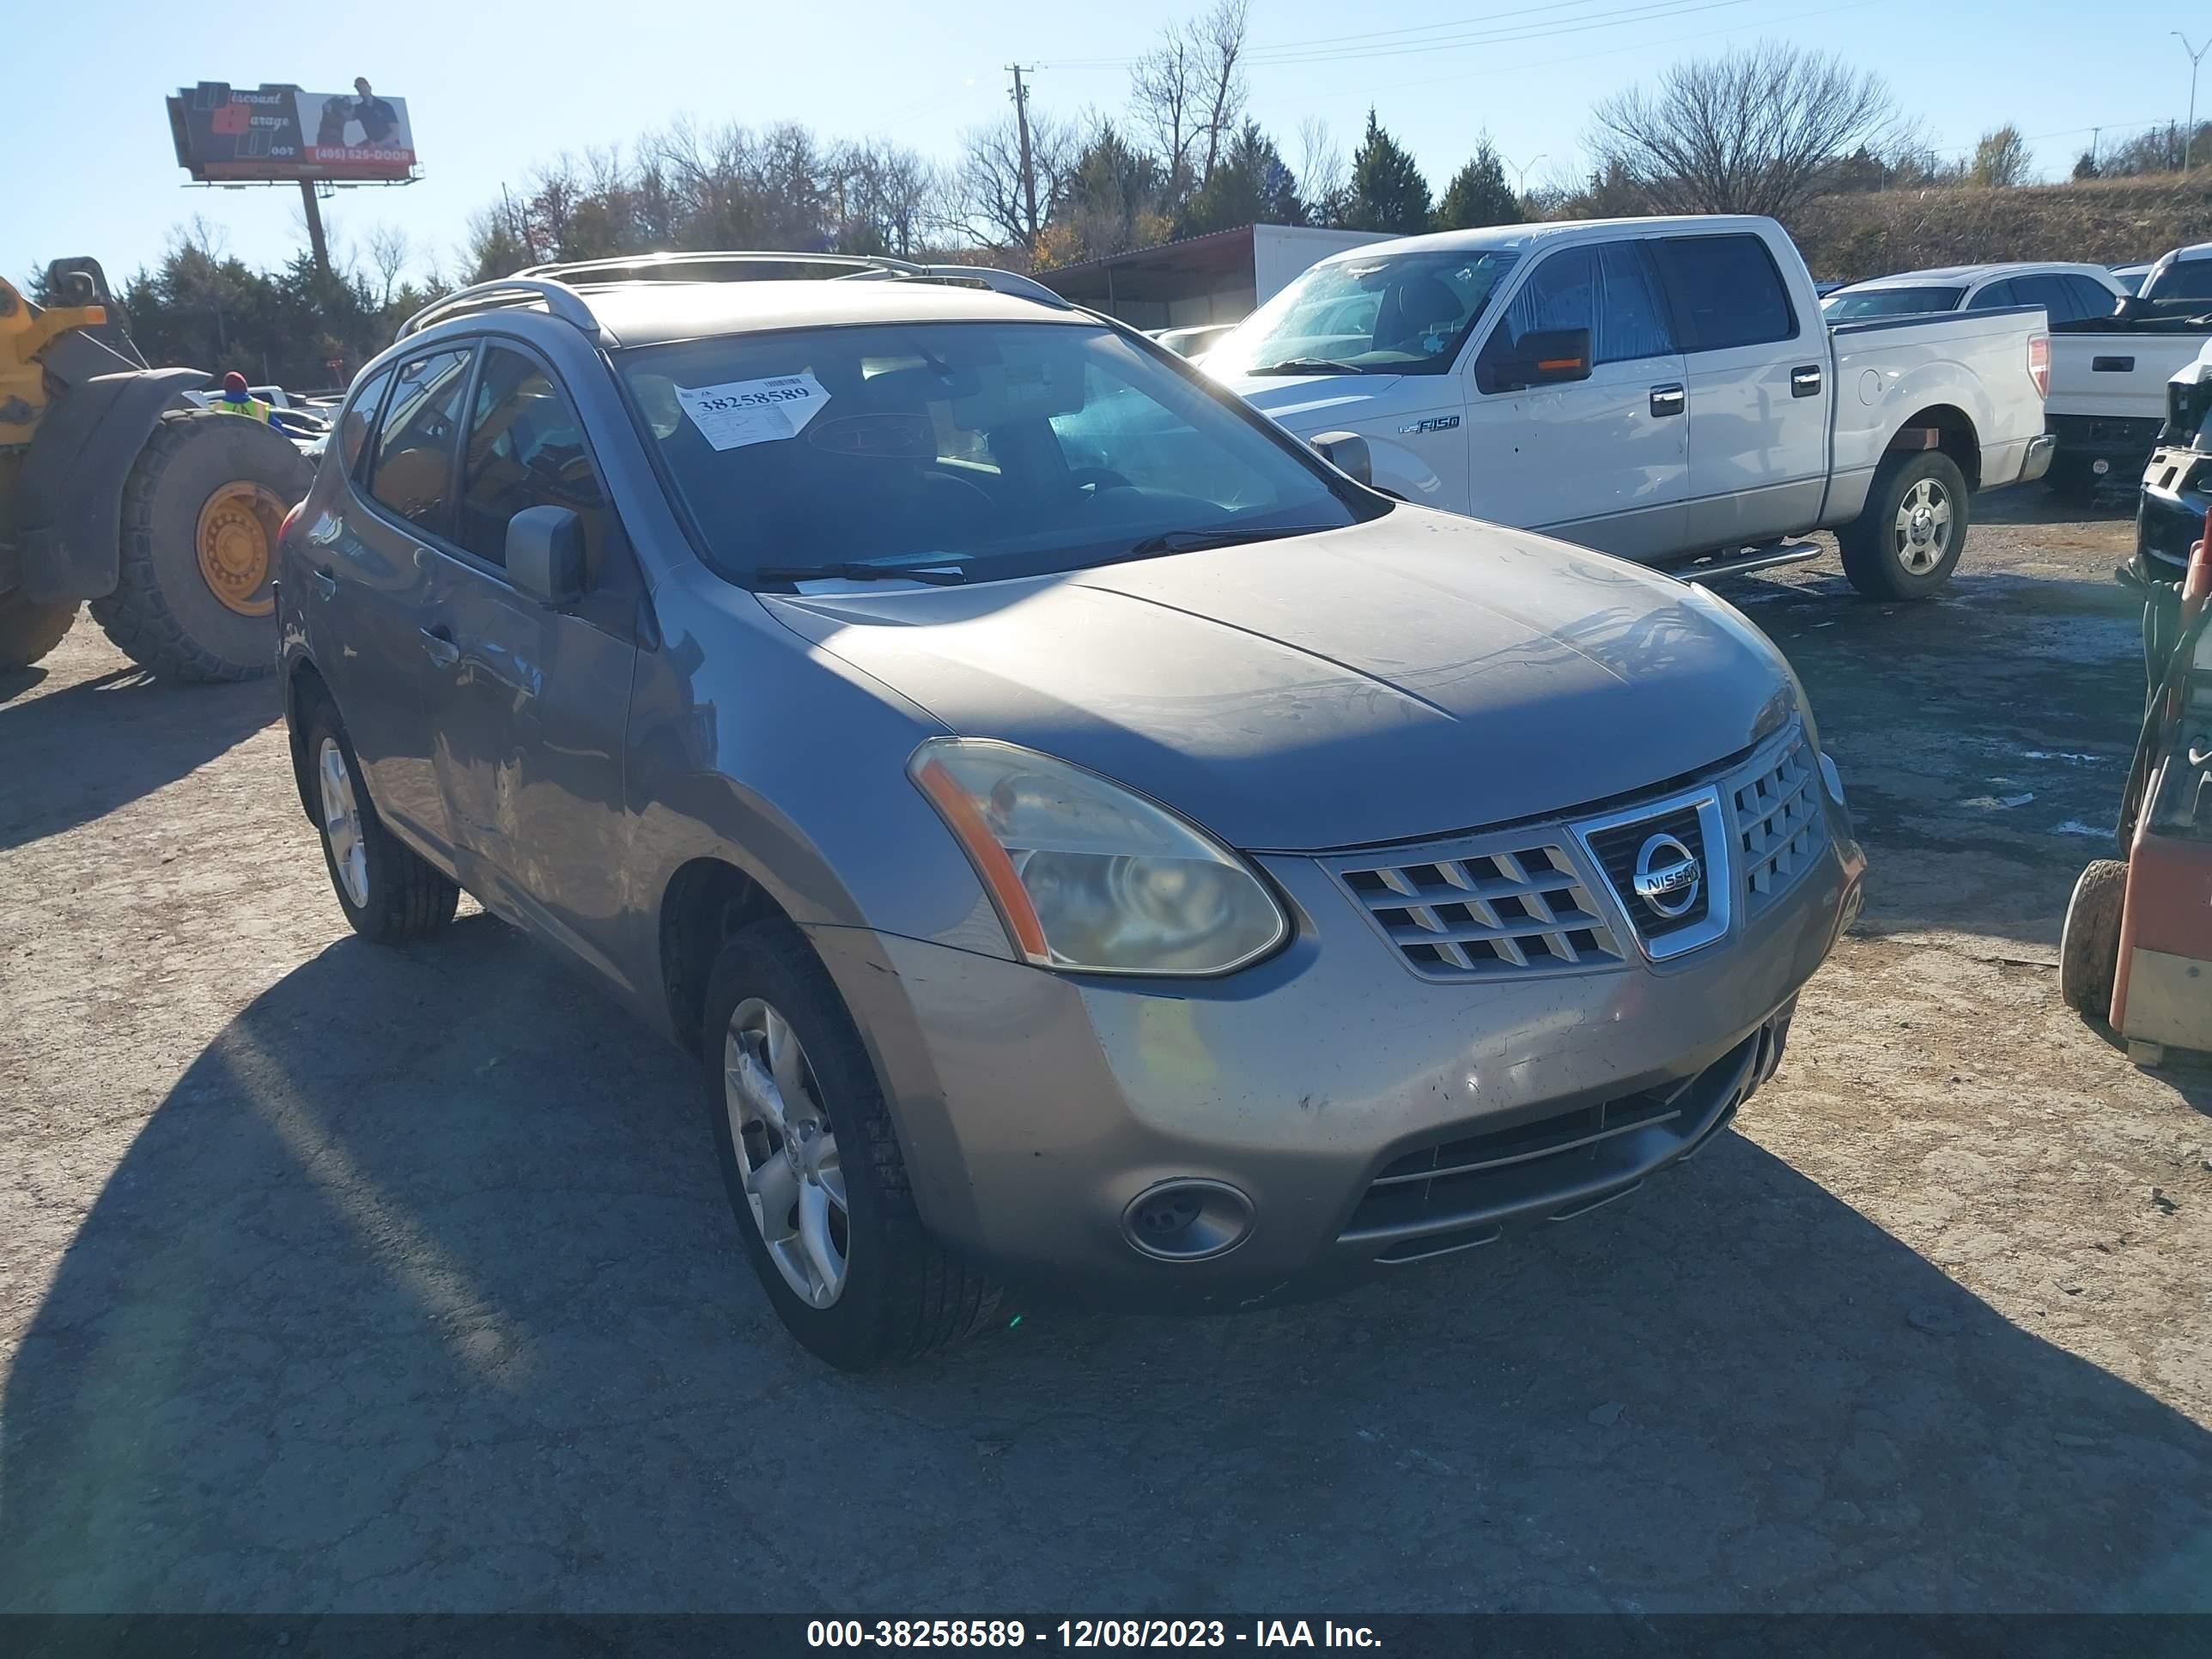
<point x="1887" y="372"/>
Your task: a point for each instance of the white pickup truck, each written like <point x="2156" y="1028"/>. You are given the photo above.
<point x="1663" y="389"/>
<point x="2109" y="375"/>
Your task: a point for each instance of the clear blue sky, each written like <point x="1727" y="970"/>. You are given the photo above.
<point x="494" y="90"/>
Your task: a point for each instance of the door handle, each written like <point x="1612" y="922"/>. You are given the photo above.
<point x="2111" y="365"/>
<point x="1805" y="380"/>
<point x="326" y="584"/>
<point x="438" y="642"/>
<point x="1668" y="400"/>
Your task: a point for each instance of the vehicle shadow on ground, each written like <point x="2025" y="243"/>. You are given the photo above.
<point x="418" y="1292"/>
<point x="104" y="742"/>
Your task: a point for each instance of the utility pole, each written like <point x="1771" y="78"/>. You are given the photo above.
<point x="1521" y="171"/>
<point x="2195" y="57"/>
<point x="1029" y="167"/>
<point x="313" y="209"/>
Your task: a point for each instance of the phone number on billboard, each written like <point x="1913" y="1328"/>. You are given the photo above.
<point x="1013" y="1633"/>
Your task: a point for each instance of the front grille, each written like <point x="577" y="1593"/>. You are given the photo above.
<point x="1465" y="1189"/>
<point x="1780" y="823"/>
<point x="1514" y="908"/>
<point x="1619" y="848"/>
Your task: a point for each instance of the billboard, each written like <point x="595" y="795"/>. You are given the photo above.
<point x="226" y="134"/>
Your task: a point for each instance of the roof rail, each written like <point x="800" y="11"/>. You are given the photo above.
<point x="685" y="267"/>
<point x="561" y="300"/>
<point x="990" y="277"/>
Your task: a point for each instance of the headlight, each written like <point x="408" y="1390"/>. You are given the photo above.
<point x="1089" y="876"/>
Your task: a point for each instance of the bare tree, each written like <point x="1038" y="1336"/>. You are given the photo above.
<point x="2000" y="160"/>
<point x="1321" y="178"/>
<point x="1754" y="132"/>
<point x="993" y="206"/>
<point x="389" y="252"/>
<point x="1162" y="96"/>
<point x="1220" y="45"/>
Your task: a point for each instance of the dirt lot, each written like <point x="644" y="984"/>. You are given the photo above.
<point x="336" y="1279"/>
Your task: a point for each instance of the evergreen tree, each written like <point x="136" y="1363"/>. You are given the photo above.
<point x="1479" y="195"/>
<point x="1250" y="186"/>
<point x="1387" y="190"/>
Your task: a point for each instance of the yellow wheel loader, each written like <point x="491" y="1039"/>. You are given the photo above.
<point x="117" y="489"/>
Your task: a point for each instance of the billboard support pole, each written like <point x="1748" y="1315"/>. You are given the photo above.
<point x="313" y="209"/>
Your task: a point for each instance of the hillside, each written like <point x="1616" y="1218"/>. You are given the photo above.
<point x="2105" y="221"/>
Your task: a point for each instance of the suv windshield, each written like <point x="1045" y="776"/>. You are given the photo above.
<point x="994" y="449"/>
<point x="1399" y="313"/>
<point x="1852" y="307"/>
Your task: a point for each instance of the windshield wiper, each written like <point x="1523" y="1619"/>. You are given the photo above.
<point x="934" y="575"/>
<point x="1194" y="541"/>
<point x="1308" y="365"/>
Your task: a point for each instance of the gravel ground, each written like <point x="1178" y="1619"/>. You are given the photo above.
<point x="333" y="1278"/>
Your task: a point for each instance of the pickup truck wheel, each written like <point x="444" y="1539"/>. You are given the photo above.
<point x="812" y="1167"/>
<point x="1907" y="542"/>
<point x="2089" y="948"/>
<point x="389" y="892"/>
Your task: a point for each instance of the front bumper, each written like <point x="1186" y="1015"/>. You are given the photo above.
<point x="2170" y="514"/>
<point x="1370" y="1115"/>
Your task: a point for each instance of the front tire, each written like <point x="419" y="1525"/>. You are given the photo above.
<point x="1907" y="542"/>
<point x="389" y="892"/>
<point x="812" y="1167"/>
<point x="2089" y="948"/>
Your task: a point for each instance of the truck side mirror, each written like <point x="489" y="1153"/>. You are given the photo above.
<point x="2132" y="308"/>
<point x="1549" y="357"/>
<point x="1347" y="453"/>
<point x="545" y="554"/>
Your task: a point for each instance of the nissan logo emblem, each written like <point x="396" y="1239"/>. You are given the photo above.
<point x="1669" y="877"/>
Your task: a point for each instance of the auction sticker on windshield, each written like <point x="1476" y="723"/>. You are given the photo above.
<point x="741" y="412"/>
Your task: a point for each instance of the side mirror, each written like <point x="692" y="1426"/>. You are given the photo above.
<point x="2132" y="308"/>
<point x="1547" y="357"/>
<point x="1347" y="453"/>
<point x="545" y="554"/>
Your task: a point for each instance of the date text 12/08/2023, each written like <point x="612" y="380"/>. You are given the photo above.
<point x="1086" y="1633"/>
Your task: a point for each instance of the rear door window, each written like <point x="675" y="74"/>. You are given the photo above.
<point x="1995" y="297"/>
<point x="2091" y="298"/>
<point x="1727" y="291"/>
<point x="418" y="441"/>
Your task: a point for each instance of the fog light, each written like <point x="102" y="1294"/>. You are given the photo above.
<point x="1187" y="1220"/>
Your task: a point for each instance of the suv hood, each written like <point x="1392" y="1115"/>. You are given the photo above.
<point x="1306" y="404"/>
<point x="1411" y="677"/>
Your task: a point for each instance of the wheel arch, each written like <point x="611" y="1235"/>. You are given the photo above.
<point x="704" y="903"/>
<point x="304" y="687"/>
<point x="1945" y="427"/>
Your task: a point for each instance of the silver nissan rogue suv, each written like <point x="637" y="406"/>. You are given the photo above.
<point x="1082" y="835"/>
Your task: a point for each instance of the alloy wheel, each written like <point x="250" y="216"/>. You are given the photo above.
<point x="786" y="1151"/>
<point x="1923" y="526"/>
<point x="342" y="825"/>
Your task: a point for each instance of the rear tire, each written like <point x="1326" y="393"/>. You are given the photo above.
<point x="2089" y="949"/>
<point x="1884" y="553"/>
<point x="389" y="892"/>
<point x="28" y="629"/>
<point x="165" y="614"/>
<point x="898" y="1293"/>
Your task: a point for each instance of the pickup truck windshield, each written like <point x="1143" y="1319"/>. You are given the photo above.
<point x="1854" y="307"/>
<point x="2183" y="288"/>
<point x="1402" y="313"/>
<point x="983" y="449"/>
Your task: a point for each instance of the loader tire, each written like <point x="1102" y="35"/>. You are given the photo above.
<point x="29" y="629"/>
<point x="200" y="509"/>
